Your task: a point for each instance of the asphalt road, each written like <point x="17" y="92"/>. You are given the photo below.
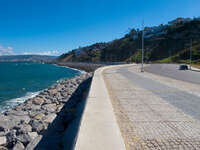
<point x="188" y="103"/>
<point x="155" y="112"/>
<point x="172" y="71"/>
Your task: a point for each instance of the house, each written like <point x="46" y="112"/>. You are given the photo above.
<point x="179" y="20"/>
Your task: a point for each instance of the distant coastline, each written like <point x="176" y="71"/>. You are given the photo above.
<point x="26" y="58"/>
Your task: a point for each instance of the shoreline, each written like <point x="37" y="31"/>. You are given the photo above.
<point x="25" y="123"/>
<point x="22" y="99"/>
<point x="31" y="119"/>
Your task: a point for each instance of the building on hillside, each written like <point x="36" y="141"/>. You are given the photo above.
<point x="179" y="20"/>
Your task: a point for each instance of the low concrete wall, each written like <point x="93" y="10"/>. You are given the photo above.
<point x="99" y="129"/>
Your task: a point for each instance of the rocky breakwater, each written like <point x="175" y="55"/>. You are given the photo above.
<point x="23" y="126"/>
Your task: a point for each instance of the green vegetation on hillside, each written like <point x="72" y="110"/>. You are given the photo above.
<point x="164" y="43"/>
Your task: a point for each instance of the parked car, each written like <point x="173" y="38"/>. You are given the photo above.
<point x="183" y="67"/>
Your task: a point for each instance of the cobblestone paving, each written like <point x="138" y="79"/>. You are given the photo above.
<point x="148" y="120"/>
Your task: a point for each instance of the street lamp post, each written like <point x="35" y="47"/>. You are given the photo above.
<point x="142" y="67"/>
<point x="191" y="54"/>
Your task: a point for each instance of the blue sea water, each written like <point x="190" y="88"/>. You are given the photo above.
<point x="23" y="80"/>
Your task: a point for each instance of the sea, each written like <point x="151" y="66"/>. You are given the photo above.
<point x="22" y="80"/>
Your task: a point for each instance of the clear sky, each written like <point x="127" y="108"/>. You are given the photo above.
<point x="57" y="26"/>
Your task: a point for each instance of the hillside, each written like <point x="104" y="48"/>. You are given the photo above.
<point x="162" y="43"/>
<point x="26" y="58"/>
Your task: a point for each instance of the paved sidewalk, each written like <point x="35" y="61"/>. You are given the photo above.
<point x="154" y="112"/>
<point x="99" y="129"/>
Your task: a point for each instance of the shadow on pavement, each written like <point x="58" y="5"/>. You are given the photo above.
<point x="195" y="70"/>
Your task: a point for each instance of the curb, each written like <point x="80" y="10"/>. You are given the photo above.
<point x="99" y="129"/>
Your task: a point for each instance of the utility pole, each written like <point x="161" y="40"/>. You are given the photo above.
<point x="191" y="54"/>
<point x="142" y="67"/>
<point x="169" y="56"/>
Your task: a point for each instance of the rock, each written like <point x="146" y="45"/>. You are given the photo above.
<point x="49" y="107"/>
<point x="24" y="138"/>
<point x="19" y="129"/>
<point x="54" y="100"/>
<point x="37" y="126"/>
<point x="28" y="128"/>
<point x="2" y="133"/>
<point x="64" y="94"/>
<point x="18" y="108"/>
<point x="11" y="138"/>
<point x="16" y="113"/>
<point x="24" y="125"/>
<point x="52" y="91"/>
<point x="33" y="135"/>
<point x="49" y="118"/>
<point x="33" y="143"/>
<point x="22" y="128"/>
<point x="35" y="107"/>
<point x="25" y="119"/>
<point x="18" y="146"/>
<point x="38" y="101"/>
<point x="3" y="148"/>
<point x="3" y="140"/>
<point x="5" y="123"/>
<point x="34" y="113"/>
<point x="19" y="119"/>
<point x="38" y="116"/>
<point x="47" y="101"/>
<point x="59" y="107"/>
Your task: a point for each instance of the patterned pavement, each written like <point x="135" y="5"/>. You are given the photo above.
<point x="154" y="112"/>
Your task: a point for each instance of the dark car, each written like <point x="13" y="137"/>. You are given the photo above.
<point x="183" y="67"/>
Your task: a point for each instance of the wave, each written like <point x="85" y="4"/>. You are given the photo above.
<point x="81" y="71"/>
<point x="16" y="101"/>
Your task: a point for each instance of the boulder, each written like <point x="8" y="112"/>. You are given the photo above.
<point x="49" y="118"/>
<point x="2" y="133"/>
<point x="35" y="107"/>
<point x="52" y="91"/>
<point x="28" y="128"/>
<point x="47" y="101"/>
<point x="19" y="119"/>
<point x="38" y="101"/>
<point x="18" y="146"/>
<point x="37" y="126"/>
<point x="3" y="140"/>
<point x="11" y="138"/>
<point x="35" y="112"/>
<point x="5" y="123"/>
<point x="49" y="107"/>
<point x="24" y="138"/>
<point x="64" y="94"/>
<point x="3" y="148"/>
<point x="38" y="116"/>
<point x="22" y="128"/>
<point x="33" y="143"/>
<point x="33" y="135"/>
<point x="59" y="107"/>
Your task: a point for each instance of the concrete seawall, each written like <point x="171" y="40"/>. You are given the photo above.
<point x="99" y="129"/>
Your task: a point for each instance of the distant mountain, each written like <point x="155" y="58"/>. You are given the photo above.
<point x="26" y="58"/>
<point x="161" y="43"/>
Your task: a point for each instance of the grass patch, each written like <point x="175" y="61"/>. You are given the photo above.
<point x="196" y="66"/>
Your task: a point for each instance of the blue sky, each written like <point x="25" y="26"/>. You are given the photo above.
<point x="56" y="26"/>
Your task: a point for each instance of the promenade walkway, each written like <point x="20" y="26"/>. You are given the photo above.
<point x="99" y="129"/>
<point x="154" y="112"/>
<point x="127" y="109"/>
